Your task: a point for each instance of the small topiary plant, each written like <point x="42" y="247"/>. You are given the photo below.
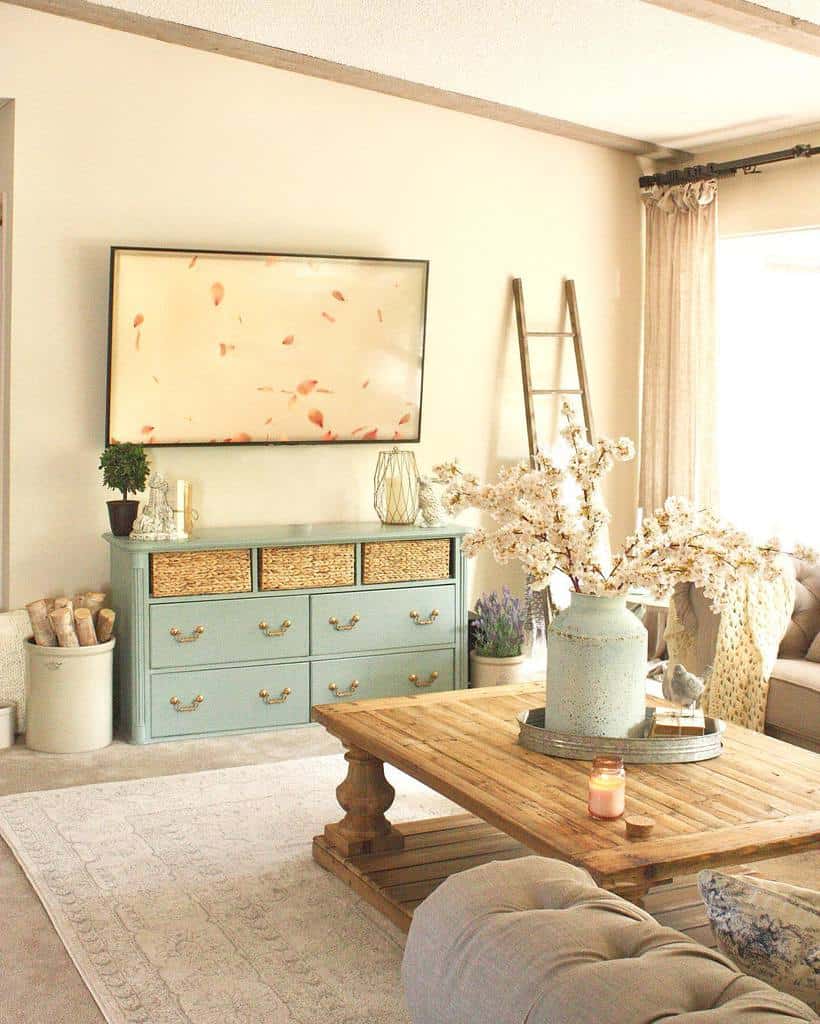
<point x="499" y="627"/>
<point x="125" y="468"/>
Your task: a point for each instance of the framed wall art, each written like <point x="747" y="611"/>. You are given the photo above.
<point x="210" y="348"/>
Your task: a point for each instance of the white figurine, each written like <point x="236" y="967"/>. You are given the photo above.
<point x="431" y="511"/>
<point x="157" y="521"/>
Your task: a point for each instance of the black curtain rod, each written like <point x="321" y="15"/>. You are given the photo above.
<point x="703" y="172"/>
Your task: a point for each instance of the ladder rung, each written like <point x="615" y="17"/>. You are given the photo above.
<point x="555" y="391"/>
<point x="549" y="334"/>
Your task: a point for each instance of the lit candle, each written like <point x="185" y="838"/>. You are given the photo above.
<point x="395" y="506"/>
<point x="607" y="788"/>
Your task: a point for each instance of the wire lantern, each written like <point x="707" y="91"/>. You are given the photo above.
<point x="396" y="487"/>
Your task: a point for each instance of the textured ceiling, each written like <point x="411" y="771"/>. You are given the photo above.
<point x="619" y="65"/>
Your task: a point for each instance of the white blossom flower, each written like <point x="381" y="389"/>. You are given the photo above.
<point x="552" y="517"/>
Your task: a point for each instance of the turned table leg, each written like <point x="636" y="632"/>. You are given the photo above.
<point x="365" y="795"/>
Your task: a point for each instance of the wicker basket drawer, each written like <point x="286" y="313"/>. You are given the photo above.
<point x="307" y="567"/>
<point x="402" y="561"/>
<point x="183" y="573"/>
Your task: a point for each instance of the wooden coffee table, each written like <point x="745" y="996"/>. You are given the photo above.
<point x="760" y="798"/>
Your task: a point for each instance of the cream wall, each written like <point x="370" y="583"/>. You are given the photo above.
<point x="121" y="139"/>
<point x="7" y="189"/>
<point x="781" y="197"/>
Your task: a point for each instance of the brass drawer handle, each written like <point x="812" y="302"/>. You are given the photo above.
<point x="354" y="619"/>
<point x="334" y="689"/>
<point x="286" y="624"/>
<point x="283" y="696"/>
<point x="419" y="621"/>
<point x="414" y="679"/>
<point x="192" y="638"/>
<point x="179" y="706"/>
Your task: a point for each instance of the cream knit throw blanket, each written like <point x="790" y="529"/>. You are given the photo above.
<point x="748" y="638"/>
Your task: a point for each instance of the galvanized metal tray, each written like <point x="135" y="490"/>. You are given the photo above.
<point x="640" y="750"/>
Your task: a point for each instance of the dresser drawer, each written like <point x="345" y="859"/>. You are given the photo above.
<point x="215" y="700"/>
<point x="182" y="573"/>
<point x="388" y="675"/>
<point x="214" y="632"/>
<point x="379" y="620"/>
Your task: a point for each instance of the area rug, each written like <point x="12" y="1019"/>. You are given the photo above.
<point x="193" y="899"/>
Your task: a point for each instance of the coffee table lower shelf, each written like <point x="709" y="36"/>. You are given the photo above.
<point x="396" y="882"/>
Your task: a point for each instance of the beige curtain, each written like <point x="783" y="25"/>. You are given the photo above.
<point x="680" y="358"/>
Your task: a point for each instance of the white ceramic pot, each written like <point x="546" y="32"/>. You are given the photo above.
<point x="596" y="669"/>
<point x="69" y="698"/>
<point x="497" y="671"/>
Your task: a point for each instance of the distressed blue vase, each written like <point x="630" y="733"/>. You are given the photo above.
<point x="596" y="669"/>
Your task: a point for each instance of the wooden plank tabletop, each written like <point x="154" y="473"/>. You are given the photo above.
<point x="760" y="798"/>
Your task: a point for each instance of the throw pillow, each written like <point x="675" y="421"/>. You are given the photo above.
<point x="771" y="930"/>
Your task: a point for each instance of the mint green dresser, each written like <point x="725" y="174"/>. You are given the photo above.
<point x="244" y="629"/>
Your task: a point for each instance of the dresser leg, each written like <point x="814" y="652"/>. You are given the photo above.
<point x="365" y="795"/>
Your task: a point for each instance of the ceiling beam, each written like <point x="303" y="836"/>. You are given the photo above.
<point x="752" y="19"/>
<point x="316" y="67"/>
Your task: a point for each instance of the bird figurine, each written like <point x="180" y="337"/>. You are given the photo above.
<point x="684" y="687"/>
<point x="431" y="510"/>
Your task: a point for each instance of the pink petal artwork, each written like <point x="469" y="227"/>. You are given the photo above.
<point x="370" y="435"/>
<point x="147" y="430"/>
<point x="289" y="340"/>
<point x="225" y="349"/>
<point x="315" y="416"/>
<point x="397" y="435"/>
<point x="329" y="436"/>
<point x="337" y="295"/>
<point x="217" y="292"/>
<point x="139" y="319"/>
<point x="306" y="386"/>
<point x="327" y="316"/>
<point x="358" y="430"/>
<point x="241" y="437"/>
<point x="364" y="385"/>
<point x="405" y="418"/>
<point x="192" y="264"/>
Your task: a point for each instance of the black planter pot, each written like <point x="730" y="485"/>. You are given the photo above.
<point x="121" y="515"/>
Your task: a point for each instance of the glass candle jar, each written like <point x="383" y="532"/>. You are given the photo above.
<point x="607" y="788"/>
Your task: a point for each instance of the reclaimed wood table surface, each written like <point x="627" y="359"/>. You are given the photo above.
<point x="759" y="799"/>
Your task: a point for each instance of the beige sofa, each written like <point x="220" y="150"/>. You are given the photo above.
<point x="535" y="941"/>
<point x="793" y="708"/>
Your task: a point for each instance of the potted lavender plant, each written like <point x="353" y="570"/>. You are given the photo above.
<point x="499" y="628"/>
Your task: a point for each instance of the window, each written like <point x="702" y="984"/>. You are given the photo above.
<point x="769" y="384"/>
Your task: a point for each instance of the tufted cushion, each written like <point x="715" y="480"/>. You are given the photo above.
<point x="805" y="623"/>
<point x="535" y="941"/>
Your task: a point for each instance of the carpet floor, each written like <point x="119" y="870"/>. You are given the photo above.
<point x="193" y="899"/>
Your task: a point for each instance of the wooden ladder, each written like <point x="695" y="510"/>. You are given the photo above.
<point x="540" y="611"/>
<point x="530" y="392"/>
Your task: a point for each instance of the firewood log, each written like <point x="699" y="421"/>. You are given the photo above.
<point x="84" y="624"/>
<point x="105" y="624"/>
<point x="93" y="600"/>
<point x="64" y="602"/>
<point x="62" y="621"/>
<point x="41" y="627"/>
